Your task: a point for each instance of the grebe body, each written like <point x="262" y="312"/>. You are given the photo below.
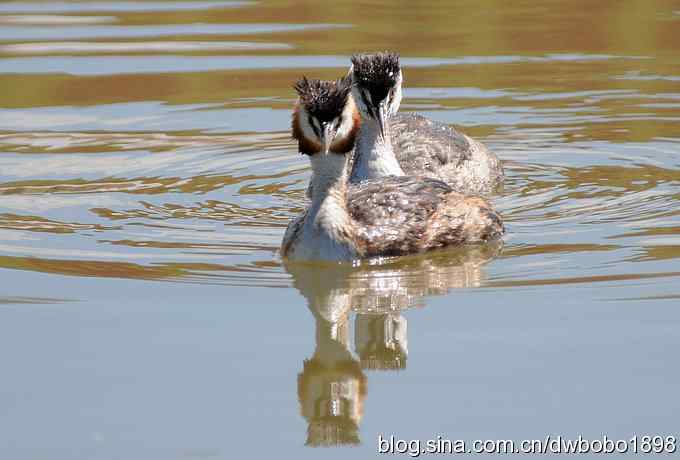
<point x="386" y="216"/>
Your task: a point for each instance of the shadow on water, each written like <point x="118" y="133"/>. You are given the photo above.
<point x="333" y="384"/>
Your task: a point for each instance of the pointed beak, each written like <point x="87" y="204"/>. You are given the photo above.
<point x="328" y="136"/>
<point x="381" y="118"/>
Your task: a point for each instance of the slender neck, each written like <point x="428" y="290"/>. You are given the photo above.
<point x="332" y="340"/>
<point x="328" y="224"/>
<point x="374" y="156"/>
<point x="329" y="174"/>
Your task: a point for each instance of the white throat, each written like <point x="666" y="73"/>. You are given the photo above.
<point x="325" y="230"/>
<point x="328" y="173"/>
<point x="373" y="155"/>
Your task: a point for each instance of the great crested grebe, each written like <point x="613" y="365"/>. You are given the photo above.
<point x="417" y="145"/>
<point x="389" y="216"/>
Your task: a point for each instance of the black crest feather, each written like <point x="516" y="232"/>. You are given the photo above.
<point x="377" y="73"/>
<point x="323" y="99"/>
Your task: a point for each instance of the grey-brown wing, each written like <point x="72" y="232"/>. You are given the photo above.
<point x="424" y="145"/>
<point x="407" y="214"/>
<point x="292" y="233"/>
<point x="427" y="147"/>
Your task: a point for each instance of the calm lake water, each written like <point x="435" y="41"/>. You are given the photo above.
<point x="147" y="175"/>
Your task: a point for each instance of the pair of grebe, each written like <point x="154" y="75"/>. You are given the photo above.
<point x="385" y="184"/>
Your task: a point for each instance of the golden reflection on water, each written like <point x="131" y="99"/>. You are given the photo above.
<point x="333" y="385"/>
<point x="110" y="166"/>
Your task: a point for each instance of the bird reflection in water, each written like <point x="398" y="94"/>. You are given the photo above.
<point x="332" y="386"/>
<point x="381" y="340"/>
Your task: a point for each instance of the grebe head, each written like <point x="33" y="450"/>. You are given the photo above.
<point x="325" y="118"/>
<point x="376" y="87"/>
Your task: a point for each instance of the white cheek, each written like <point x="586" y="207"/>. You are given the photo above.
<point x="306" y="128"/>
<point x="397" y="96"/>
<point x="347" y="122"/>
<point x="396" y="102"/>
<point x="356" y="95"/>
<point x="344" y="129"/>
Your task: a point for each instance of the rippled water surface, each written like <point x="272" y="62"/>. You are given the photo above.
<point x="147" y="175"/>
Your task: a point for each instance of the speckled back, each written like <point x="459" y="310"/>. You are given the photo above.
<point x="427" y="147"/>
<point x="405" y="215"/>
